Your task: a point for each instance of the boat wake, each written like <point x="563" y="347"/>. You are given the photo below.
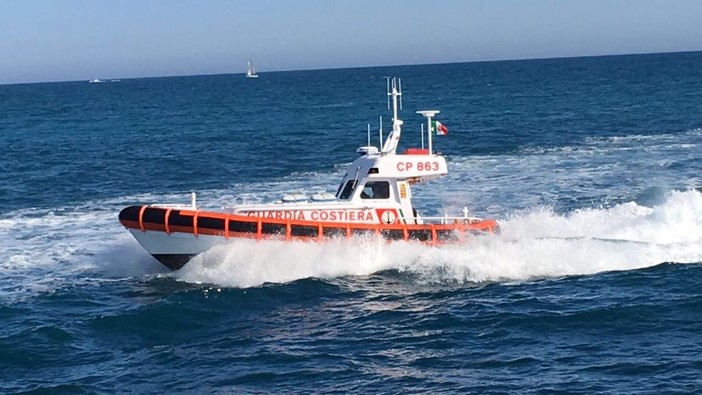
<point x="533" y="244"/>
<point x="43" y="249"/>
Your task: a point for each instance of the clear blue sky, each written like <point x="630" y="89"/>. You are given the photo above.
<point x="55" y="40"/>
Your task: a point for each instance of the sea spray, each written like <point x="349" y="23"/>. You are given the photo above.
<point x="534" y="244"/>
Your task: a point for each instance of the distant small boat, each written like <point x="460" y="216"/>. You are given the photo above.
<point x="251" y="71"/>
<point x="95" y="81"/>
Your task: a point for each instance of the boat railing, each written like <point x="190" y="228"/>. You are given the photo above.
<point x="443" y="220"/>
<point x="191" y="206"/>
<point x="196" y="222"/>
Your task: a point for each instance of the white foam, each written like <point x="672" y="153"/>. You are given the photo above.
<point x="246" y="263"/>
<point x="533" y="244"/>
<point x="40" y="249"/>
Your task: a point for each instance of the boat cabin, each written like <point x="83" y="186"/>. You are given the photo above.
<point x="379" y="180"/>
<point x="376" y="187"/>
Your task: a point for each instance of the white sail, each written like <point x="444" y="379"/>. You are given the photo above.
<point x="251" y="71"/>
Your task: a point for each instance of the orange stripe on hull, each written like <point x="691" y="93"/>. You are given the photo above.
<point x="195" y="222"/>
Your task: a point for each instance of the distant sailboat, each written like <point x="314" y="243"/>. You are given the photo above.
<point x="251" y="72"/>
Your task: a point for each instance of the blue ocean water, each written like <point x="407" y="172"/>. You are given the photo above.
<point x="591" y="165"/>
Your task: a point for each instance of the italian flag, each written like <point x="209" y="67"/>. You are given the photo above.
<point x="439" y="128"/>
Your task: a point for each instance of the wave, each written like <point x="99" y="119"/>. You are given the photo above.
<point x="596" y="172"/>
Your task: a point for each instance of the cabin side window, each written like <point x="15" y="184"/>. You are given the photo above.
<point x="376" y="190"/>
<point x="348" y="189"/>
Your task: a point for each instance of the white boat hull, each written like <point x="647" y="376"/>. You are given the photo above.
<point x="176" y="249"/>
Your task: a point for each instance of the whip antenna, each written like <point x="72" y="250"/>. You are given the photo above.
<point x="399" y="90"/>
<point x="387" y="79"/>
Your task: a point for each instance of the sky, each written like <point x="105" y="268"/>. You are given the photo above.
<point x="66" y="40"/>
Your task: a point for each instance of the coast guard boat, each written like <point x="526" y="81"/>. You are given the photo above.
<point x="374" y="199"/>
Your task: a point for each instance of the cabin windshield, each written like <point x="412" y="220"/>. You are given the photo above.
<point x="339" y="189"/>
<point x="376" y="190"/>
<point x="348" y="189"/>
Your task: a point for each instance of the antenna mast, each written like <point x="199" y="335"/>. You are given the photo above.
<point x="394" y="91"/>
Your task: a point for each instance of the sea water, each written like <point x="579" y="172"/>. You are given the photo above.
<point x="592" y="166"/>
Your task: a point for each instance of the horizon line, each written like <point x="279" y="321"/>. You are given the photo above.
<point x="368" y="66"/>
